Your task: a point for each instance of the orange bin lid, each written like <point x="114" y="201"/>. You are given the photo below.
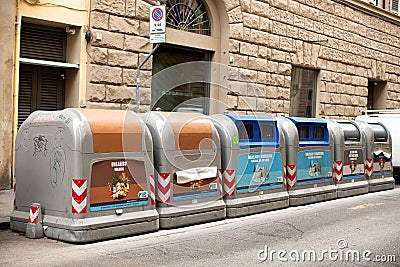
<point x="191" y="130"/>
<point x="114" y="130"/>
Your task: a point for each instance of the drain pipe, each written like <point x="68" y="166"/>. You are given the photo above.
<point x="138" y="76"/>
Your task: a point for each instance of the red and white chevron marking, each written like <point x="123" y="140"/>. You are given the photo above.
<point x="33" y="214"/>
<point x="284" y="176"/>
<point x="164" y="188"/>
<point x="338" y="171"/>
<point x="152" y="190"/>
<point x="291" y="175"/>
<point x="368" y="168"/>
<point x="15" y="192"/>
<point x="229" y="182"/>
<point x="79" y="195"/>
<point x="220" y="182"/>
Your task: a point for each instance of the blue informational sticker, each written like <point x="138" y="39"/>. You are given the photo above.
<point x="314" y="166"/>
<point x="259" y="171"/>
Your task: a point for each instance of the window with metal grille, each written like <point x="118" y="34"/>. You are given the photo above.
<point x="394" y="6"/>
<point x="190" y="16"/>
<point x="303" y="92"/>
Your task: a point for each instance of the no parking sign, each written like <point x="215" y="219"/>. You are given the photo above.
<point x="157" y="24"/>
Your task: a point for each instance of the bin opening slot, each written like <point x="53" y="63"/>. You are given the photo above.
<point x="245" y="131"/>
<point x="319" y="132"/>
<point x="351" y="131"/>
<point x="380" y="134"/>
<point x="253" y="133"/>
<point x="304" y="132"/>
<point x="312" y="134"/>
<point x="195" y="174"/>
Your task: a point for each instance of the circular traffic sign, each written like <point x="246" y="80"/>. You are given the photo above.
<point x="157" y="14"/>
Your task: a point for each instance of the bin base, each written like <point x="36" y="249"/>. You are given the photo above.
<point x="352" y="188"/>
<point x="242" y="206"/>
<point x="175" y="216"/>
<point x="311" y="195"/>
<point x="380" y="184"/>
<point x="91" y="229"/>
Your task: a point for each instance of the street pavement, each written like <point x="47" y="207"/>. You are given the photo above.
<point x="336" y="231"/>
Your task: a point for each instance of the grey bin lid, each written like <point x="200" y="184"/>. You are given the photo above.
<point x="380" y="134"/>
<point x="351" y="131"/>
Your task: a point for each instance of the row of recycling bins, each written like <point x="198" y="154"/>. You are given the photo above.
<point x="100" y="174"/>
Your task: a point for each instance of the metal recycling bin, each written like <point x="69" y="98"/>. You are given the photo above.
<point x="378" y="163"/>
<point x="90" y="170"/>
<point x="349" y="157"/>
<point x="187" y="159"/>
<point x="309" y="153"/>
<point x="253" y="163"/>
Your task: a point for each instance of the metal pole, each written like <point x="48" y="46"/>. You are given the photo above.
<point x="138" y="76"/>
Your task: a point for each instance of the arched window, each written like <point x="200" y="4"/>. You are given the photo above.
<point x="188" y="15"/>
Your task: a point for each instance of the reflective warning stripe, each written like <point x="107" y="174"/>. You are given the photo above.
<point x="33" y="214"/>
<point x="152" y="190"/>
<point x="79" y="195"/>
<point x="368" y="168"/>
<point x="291" y="175"/>
<point x="338" y="171"/>
<point x="229" y="182"/>
<point x="164" y="188"/>
<point x="284" y="176"/>
<point x="220" y="189"/>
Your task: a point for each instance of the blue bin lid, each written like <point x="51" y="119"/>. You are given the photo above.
<point x="311" y="139"/>
<point x="236" y="117"/>
<point x="256" y="139"/>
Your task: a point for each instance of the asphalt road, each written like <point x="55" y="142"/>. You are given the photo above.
<point x="336" y="231"/>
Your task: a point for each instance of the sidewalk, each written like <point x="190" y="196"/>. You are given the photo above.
<point x="6" y="206"/>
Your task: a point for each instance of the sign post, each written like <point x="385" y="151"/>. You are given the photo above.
<point x="157" y="36"/>
<point x="157" y="24"/>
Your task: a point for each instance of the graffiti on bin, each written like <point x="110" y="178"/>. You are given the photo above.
<point x="57" y="167"/>
<point x="259" y="171"/>
<point x="40" y="145"/>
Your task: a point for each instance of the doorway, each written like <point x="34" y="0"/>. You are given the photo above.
<point x="180" y="79"/>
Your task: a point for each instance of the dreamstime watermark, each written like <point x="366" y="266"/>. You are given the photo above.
<point x="339" y="253"/>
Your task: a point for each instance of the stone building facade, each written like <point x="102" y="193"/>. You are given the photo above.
<point x="351" y="45"/>
<point x="315" y="58"/>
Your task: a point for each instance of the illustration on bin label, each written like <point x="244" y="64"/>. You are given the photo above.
<point x="195" y="183"/>
<point x="314" y="166"/>
<point x="118" y="184"/>
<point x="353" y="163"/>
<point x="259" y="171"/>
<point x="382" y="159"/>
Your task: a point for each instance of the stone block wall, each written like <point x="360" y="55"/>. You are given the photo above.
<point x="267" y="38"/>
<point x="120" y="42"/>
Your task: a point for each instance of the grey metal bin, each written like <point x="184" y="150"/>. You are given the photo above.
<point x="253" y="163"/>
<point x="378" y="163"/>
<point x="309" y="151"/>
<point x="349" y="157"/>
<point x="90" y="170"/>
<point x="187" y="159"/>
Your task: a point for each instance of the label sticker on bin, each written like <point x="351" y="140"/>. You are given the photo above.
<point x="353" y="165"/>
<point x="314" y="165"/>
<point x="259" y="171"/>
<point x="118" y="183"/>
